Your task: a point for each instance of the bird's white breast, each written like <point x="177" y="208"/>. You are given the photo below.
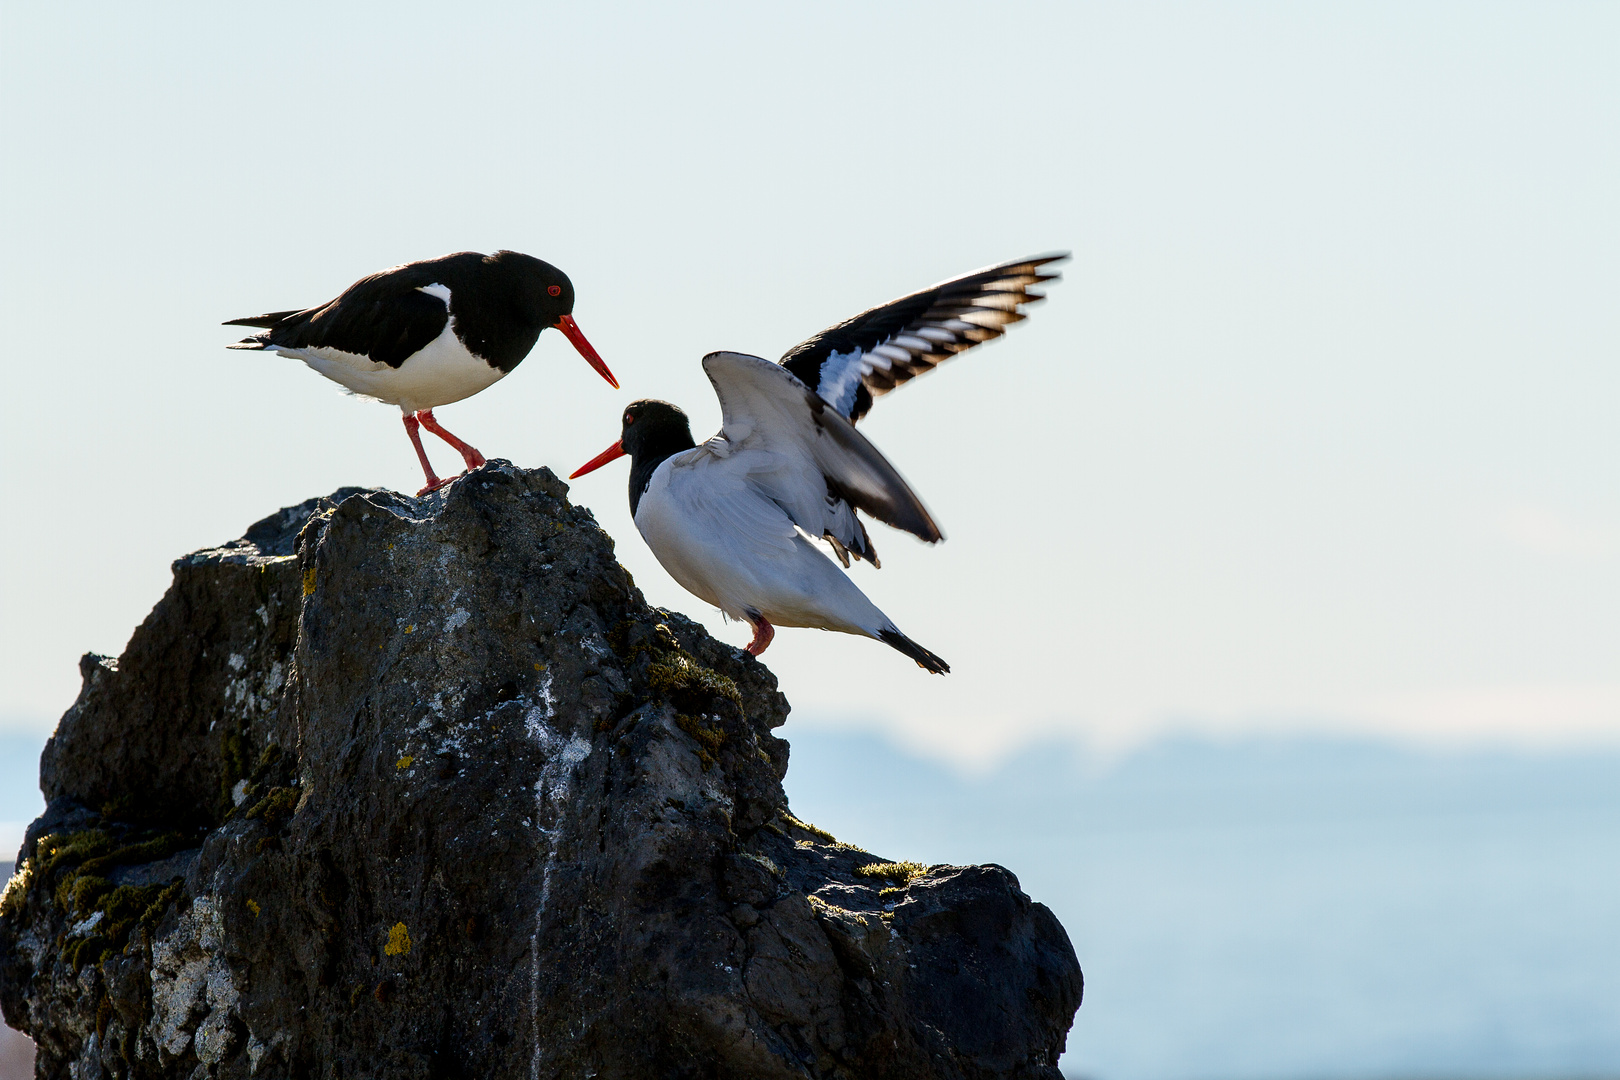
<point x="729" y="544"/>
<point x="441" y="372"/>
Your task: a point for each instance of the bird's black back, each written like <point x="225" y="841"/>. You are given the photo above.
<point x="501" y="302"/>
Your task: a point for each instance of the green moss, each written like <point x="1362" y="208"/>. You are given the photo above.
<point x="234" y="755"/>
<point x="11" y="900"/>
<point x="159" y="847"/>
<point x="820" y="834"/>
<point x="774" y="870"/>
<point x="904" y="872"/>
<point x="127" y="902"/>
<point x="233" y="759"/>
<point x="619" y="640"/>
<point x="56" y="850"/>
<point x="268" y="758"/>
<point x="86" y="950"/>
<point x="74" y="866"/>
<point x="676" y="672"/>
<point x="160" y="903"/>
<point x="673" y="670"/>
<point x="122" y="910"/>
<point x="709" y="739"/>
<point x="821" y="907"/>
<point x="78" y="893"/>
<point x="276" y="807"/>
<point x="121" y="807"/>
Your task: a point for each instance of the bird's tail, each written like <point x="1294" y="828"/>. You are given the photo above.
<point x="925" y="659"/>
<point x="263" y="322"/>
<point x="267" y="322"/>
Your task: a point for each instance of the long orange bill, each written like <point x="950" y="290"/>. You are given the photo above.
<point x="570" y="328"/>
<point x="612" y="453"/>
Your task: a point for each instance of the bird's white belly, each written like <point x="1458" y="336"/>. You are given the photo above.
<point x="765" y="566"/>
<point x="442" y="372"/>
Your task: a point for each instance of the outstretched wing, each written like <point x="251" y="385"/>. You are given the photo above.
<point x="808" y="458"/>
<point x="865" y="357"/>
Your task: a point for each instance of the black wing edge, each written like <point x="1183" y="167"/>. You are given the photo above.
<point x="896" y="504"/>
<point x="912" y="335"/>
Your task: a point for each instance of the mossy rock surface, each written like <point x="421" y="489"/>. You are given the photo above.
<point x="423" y="787"/>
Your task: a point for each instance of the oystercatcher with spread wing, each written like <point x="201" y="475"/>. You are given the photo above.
<point x="428" y="333"/>
<point x="736" y="520"/>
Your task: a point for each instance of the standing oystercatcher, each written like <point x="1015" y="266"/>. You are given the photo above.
<point x="735" y="520"/>
<point x="428" y="333"/>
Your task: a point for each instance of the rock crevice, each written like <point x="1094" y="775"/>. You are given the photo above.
<point x="424" y="788"/>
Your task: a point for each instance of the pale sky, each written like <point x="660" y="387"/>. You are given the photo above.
<point x="1321" y="431"/>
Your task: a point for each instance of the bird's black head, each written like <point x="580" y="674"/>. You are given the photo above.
<point x="654" y="429"/>
<point x="546" y="296"/>
<point x="543" y="289"/>
<point x="651" y="432"/>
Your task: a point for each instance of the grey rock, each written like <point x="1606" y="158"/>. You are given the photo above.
<point x="423" y="788"/>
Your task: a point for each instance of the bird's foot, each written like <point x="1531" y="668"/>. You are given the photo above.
<point x="763" y="633"/>
<point x="434" y="484"/>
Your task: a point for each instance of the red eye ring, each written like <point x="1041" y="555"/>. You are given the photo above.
<point x="554" y="290"/>
<point x="629" y="419"/>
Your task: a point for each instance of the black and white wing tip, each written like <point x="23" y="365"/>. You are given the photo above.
<point x="867" y="356"/>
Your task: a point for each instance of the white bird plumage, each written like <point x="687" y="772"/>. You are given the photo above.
<point x="736" y="520"/>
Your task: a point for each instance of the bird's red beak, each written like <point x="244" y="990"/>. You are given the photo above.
<point x="612" y="453"/>
<point x="571" y="329"/>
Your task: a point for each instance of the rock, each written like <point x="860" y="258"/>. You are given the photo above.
<point x="423" y="788"/>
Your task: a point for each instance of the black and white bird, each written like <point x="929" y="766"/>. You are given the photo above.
<point x="428" y="333"/>
<point x="737" y="520"/>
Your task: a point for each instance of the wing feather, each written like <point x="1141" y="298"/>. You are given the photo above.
<point x="869" y="355"/>
<point x="807" y="457"/>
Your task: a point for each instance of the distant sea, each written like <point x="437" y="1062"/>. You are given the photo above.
<point x="1286" y="909"/>
<point x="20" y="800"/>
<point x="20" y="803"/>
<point x="1264" y="909"/>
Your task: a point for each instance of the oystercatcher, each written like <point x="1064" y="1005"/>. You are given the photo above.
<point x="735" y="520"/>
<point x="428" y="333"/>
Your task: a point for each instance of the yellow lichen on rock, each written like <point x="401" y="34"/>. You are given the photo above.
<point x="309" y="581"/>
<point x="399" y="940"/>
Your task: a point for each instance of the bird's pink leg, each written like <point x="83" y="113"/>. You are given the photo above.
<point x="763" y="633"/>
<point x="471" y="456"/>
<point x="433" y="482"/>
